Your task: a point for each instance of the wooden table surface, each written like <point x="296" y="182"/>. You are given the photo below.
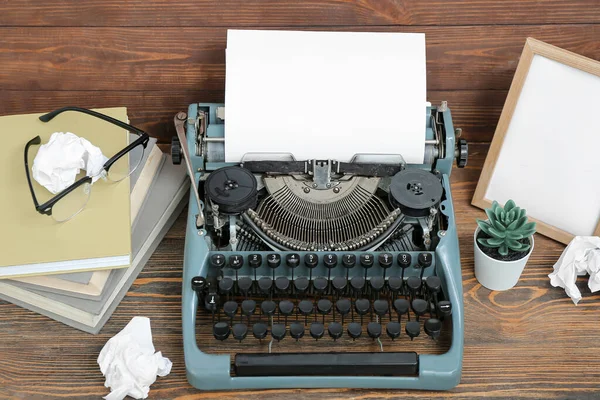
<point x="157" y="56"/>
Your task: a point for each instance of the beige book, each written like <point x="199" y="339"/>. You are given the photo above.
<point x="140" y="190"/>
<point x="33" y="244"/>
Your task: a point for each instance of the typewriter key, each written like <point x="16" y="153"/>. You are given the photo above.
<point x="240" y="331"/>
<point x="445" y="308"/>
<point x="395" y="284"/>
<point x="385" y="260"/>
<point x="211" y="302"/>
<point x="357" y="283"/>
<point x="393" y="330"/>
<point x="343" y="307"/>
<point x="248" y="307"/>
<point x="433" y="283"/>
<point x="226" y="285"/>
<point x="221" y="330"/>
<point x="330" y="260"/>
<point x="424" y="260"/>
<point x="311" y="260"/>
<point x="236" y="261"/>
<point x="433" y="328"/>
<point x="339" y="284"/>
<point x="324" y="306"/>
<point x="413" y="329"/>
<point x="282" y="284"/>
<point x="274" y="260"/>
<point x="414" y="284"/>
<point x="244" y="285"/>
<point x="362" y="306"/>
<point x="419" y="307"/>
<point x="265" y="284"/>
<point x="292" y="260"/>
<point x="230" y="308"/>
<point x="297" y="330"/>
<point x="404" y="260"/>
<point x="366" y="260"/>
<point x="305" y="307"/>
<point x="317" y="330"/>
<point x="401" y="306"/>
<point x="199" y="283"/>
<point x="320" y="284"/>
<point x="217" y="260"/>
<point x="380" y="307"/>
<point x="286" y="307"/>
<point x="268" y="307"/>
<point x="259" y="330"/>
<point x="354" y="330"/>
<point x="348" y="260"/>
<point x="374" y="330"/>
<point x="255" y="260"/>
<point x="301" y="284"/>
<point x="335" y="330"/>
<point x="377" y="283"/>
<point x="278" y="331"/>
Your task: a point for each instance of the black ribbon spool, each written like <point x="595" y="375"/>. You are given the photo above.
<point x="233" y="189"/>
<point x="415" y="191"/>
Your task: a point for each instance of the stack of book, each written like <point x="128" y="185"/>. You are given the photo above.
<point x="78" y="271"/>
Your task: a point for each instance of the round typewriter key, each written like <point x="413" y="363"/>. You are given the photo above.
<point x="348" y="260"/>
<point x="385" y="260"/>
<point x="278" y="331"/>
<point x="199" y="283"/>
<point x="240" y="331"/>
<point x="211" y="302"/>
<point x="374" y="330"/>
<point x="244" y="285"/>
<point x="424" y="260"/>
<point x="339" y="284"/>
<point x="419" y="306"/>
<point x="380" y="307"/>
<point x="413" y="329"/>
<point x="217" y="260"/>
<point x="404" y="260"/>
<point x="433" y="328"/>
<point x="301" y="284"/>
<point x="259" y="330"/>
<point x="305" y="307"/>
<point x="255" y="260"/>
<point x="377" y="283"/>
<point x="230" y="308"/>
<point x="317" y="330"/>
<point x="414" y="283"/>
<point x="292" y="260"/>
<point x="320" y="284"/>
<point x="401" y="306"/>
<point x="268" y="307"/>
<point x="296" y="330"/>
<point x="366" y="260"/>
<point x="393" y="330"/>
<point x="311" y="260"/>
<point x="445" y="308"/>
<point x="236" y="261"/>
<point x="286" y="307"/>
<point x="221" y="330"/>
<point x="395" y="283"/>
<point x="362" y="306"/>
<point x="343" y="306"/>
<point x="226" y="285"/>
<point x="354" y="330"/>
<point x="330" y="260"/>
<point x="357" y="283"/>
<point x="324" y="306"/>
<point x="265" y="284"/>
<point x="434" y="284"/>
<point x="282" y="283"/>
<point x="248" y="307"/>
<point x="273" y="260"/>
<point x="335" y="330"/>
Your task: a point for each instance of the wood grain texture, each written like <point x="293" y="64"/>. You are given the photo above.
<point x="475" y="111"/>
<point x="528" y="342"/>
<point x="184" y="59"/>
<point x="240" y="13"/>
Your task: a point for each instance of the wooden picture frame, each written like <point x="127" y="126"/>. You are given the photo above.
<point x="532" y="48"/>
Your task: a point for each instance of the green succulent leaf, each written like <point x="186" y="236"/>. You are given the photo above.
<point x="484" y="226"/>
<point x="494" y="242"/>
<point x="491" y="216"/>
<point x="509" y="205"/>
<point x="514" y="245"/>
<point x="514" y="235"/>
<point x="525" y="247"/>
<point x="496" y="233"/>
<point x="503" y="249"/>
<point x="499" y="225"/>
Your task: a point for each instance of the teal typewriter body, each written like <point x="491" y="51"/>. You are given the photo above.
<point x="319" y="273"/>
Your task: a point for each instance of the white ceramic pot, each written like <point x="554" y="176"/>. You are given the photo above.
<point x="496" y="274"/>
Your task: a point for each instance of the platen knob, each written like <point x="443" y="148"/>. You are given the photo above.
<point x="176" y="153"/>
<point x="462" y="153"/>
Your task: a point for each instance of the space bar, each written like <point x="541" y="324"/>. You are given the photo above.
<point x="328" y="364"/>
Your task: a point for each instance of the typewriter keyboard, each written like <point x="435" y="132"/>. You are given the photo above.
<point x="314" y="302"/>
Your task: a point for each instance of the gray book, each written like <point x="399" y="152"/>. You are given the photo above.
<point x="166" y="199"/>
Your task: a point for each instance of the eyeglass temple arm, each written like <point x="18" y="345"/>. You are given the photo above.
<point x="143" y="139"/>
<point x="35" y="140"/>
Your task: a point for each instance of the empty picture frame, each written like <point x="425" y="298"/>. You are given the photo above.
<point x="545" y="154"/>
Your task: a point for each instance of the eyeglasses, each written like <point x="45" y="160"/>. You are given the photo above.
<point x="72" y="200"/>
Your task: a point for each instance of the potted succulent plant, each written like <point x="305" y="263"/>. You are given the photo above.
<point x="503" y="244"/>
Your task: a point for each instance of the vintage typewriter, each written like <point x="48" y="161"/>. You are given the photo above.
<point x="319" y="273"/>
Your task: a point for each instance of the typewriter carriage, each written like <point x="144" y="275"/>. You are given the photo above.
<point x="205" y="140"/>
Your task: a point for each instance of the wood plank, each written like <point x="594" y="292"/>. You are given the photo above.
<point x="172" y="59"/>
<point x="525" y="342"/>
<point x="476" y="112"/>
<point x="235" y="13"/>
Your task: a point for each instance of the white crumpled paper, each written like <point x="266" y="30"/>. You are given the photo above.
<point x="58" y="162"/>
<point x="129" y="363"/>
<point x="581" y="257"/>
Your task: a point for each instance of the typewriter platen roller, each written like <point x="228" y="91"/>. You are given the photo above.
<point x="320" y="273"/>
